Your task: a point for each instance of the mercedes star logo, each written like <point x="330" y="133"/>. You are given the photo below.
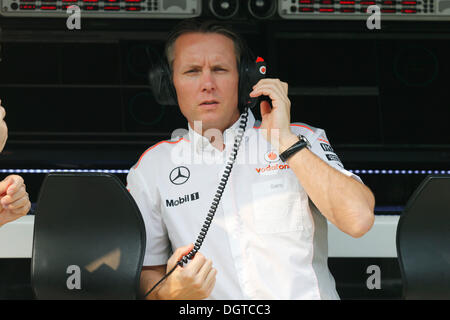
<point x="179" y="175"/>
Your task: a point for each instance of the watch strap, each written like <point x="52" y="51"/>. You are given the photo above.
<point x="296" y="147"/>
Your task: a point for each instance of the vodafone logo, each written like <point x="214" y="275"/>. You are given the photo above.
<point x="262" y="70"/>
<point x="271" y="156"/>
<point x="271" y="169"/>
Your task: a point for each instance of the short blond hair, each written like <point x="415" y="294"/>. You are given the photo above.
<point x="198" y="26"/>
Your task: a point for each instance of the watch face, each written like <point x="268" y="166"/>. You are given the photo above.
<point x="306" y="140"/>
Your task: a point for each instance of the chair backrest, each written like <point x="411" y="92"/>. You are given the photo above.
<point x="89" y="239"/>
<point x="423" y="241"/>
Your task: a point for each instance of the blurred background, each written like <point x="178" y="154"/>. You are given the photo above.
<point x="79" y="99"/>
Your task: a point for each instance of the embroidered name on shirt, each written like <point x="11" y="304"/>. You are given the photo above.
<point x="189" y="197"/>
<point x="276" y="186"/>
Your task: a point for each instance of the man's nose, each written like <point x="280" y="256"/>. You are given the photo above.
<point x="207" y="81"/>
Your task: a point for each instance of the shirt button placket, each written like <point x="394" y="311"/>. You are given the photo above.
<point x="233" y="233"/>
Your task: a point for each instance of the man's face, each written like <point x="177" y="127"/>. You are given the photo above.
<point x="206" y="79"/>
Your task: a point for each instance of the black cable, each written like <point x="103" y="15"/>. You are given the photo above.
<point x="215" y="202"/>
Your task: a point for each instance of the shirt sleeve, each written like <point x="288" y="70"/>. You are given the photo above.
<point x="158" y="247"/>
<point x="321" y="147"/>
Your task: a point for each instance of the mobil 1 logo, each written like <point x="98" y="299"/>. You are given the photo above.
<point x="186" y="198"/>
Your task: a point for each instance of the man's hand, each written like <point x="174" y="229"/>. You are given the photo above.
<point x="3" y="127"/>
<point x="14" y="202"/>
<point x="276" y="121"/>
<point x="193" y="281"/>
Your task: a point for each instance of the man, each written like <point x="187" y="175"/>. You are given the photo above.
<point x="13" y="196"/>
<point x="268" y="239"/>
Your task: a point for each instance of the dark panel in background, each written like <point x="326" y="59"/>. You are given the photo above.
<point x="414" y="88"/>
<point x="326" y="62"/>
<point x="90" y="64"/>
<point x="85" y="88"/>
<point x="369" y="91"/>
<point x="23" y="63"/>
<point x="62" y="109"/>
<point x="337" y="116"/>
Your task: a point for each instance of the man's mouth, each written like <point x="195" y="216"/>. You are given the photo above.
<point x="209" y="102"/>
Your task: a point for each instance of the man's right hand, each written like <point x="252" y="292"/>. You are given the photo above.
<point x="195" y="280"/>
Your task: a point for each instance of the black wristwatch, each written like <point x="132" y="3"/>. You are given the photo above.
<point x="296" y="147"/>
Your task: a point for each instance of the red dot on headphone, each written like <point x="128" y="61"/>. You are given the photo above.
<point x="259" y="59"/>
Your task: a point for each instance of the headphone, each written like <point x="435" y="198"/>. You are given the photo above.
<point x="251" y="70"/>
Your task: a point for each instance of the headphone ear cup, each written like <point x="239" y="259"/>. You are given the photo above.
<point x="248" y="77"/>
<point x="244" y="80"/>
<point x="161" y="84"/>
<point x="243" y="85"/>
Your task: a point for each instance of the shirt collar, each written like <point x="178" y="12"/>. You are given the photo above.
<point x="201" y="143"/>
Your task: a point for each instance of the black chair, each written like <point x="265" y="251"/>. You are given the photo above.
<point x="89" y="239"/>
<point x="423" y="241"/>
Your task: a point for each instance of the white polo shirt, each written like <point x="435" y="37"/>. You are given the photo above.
<point x="267" y="239"/>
